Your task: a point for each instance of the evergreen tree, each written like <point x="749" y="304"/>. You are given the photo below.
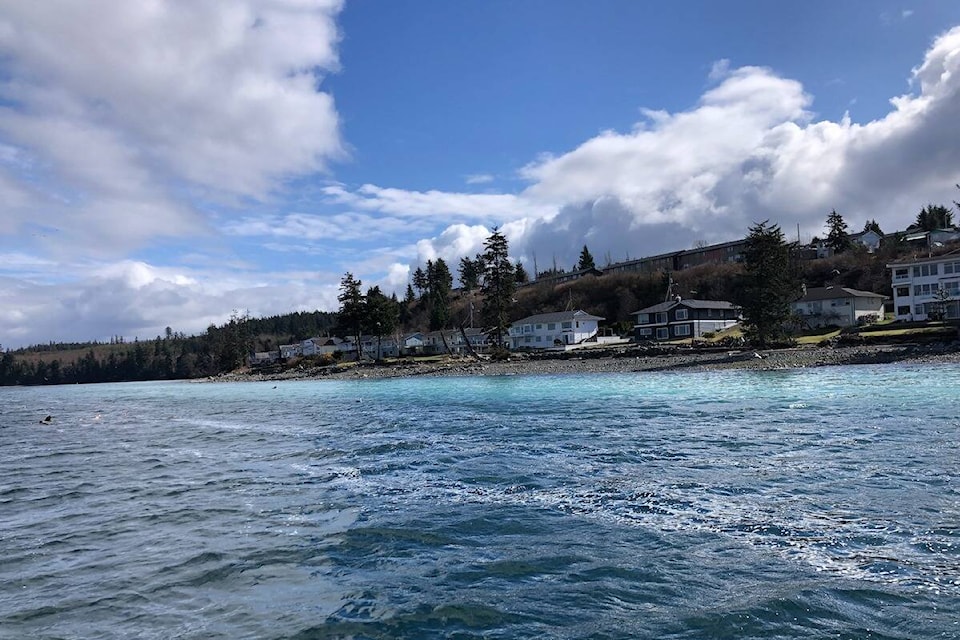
<point x="440" y="284"/>
<point x="469" y="273"/>
<point x="352" y="308"/>
<point x="872" y="225"/>
<point x="768" y="285"/>
<point x="837" y="236"/>
<point x="420" y="281"/>
<point x="586" y="260"/>
<point x="521" y="274"/>
<point x="380" y="316"/>
<point x="934" y="216"/>
<point x="499" y="284"/>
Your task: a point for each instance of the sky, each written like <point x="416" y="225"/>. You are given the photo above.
<point x="166" y="163"/>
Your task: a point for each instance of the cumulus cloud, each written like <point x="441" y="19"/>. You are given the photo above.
<point x="124" y="107"/>
<point x="749" y="150"/>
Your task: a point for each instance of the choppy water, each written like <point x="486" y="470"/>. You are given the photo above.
<point x="807" y="504"/>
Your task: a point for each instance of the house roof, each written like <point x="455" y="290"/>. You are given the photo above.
<point x="832" y="293"/>
<point x="557" y="316"/>
<point x="691" y="304"/>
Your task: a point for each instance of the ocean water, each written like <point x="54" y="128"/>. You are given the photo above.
<point x="821" y="503"/>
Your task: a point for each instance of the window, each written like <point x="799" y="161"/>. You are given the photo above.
<point x="567" y="325"/>
<point x="551" y="326"/>
<point x="661" y="318"/>
<point x="539" y="338"/>
<point x="924" y="289"/>
<point x="681" y="314"/>
<point x="539" y="326"/>
<point x="901" y="274"/>
<point x="663" y="333"/>
<point x="951" y="267"/>
<point x="681" y="330"/>
<point x="924" y="270"/>
<point x="528" y="328"/>
<point x="643" y="318"/>
<point x="646" y="332"/>
<point x="903" y="311"/>
<point x="903" y="292"/>
<point x="952" y="288"/>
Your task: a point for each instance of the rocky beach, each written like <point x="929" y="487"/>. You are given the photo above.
<point x="625" y="360"/>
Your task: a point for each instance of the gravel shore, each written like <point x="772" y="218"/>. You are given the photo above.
<point x="625" y="360"/>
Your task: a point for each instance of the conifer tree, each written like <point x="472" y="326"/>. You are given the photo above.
<point x="837" y="236"/>
<point x="499" y="284"/>
<point x="768" y="285"/>
<point x="934" y="216"/>
<point x="352" y="308"/>
<point x="586" y="260"/>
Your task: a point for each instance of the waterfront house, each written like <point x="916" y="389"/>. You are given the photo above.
<point x="838" y="306"/>
<point x="677" y="319"/>
<point x="926" y="288"/>
<point x="558" y="329"/>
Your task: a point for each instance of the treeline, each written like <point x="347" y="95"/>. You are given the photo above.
<point x="172" y="356"/>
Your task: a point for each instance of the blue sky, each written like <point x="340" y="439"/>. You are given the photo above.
<point x="164" y="164"/>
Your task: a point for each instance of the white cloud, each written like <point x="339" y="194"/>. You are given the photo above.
<point x="479" y="178"/>
<point x="749" y="150"/>
<point x="126" y="108"/>
<point x="434" y="204"/>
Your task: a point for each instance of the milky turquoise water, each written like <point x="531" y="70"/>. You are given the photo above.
<point x="819" y="503"/>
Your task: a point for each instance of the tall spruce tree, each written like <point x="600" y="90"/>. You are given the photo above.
<point x="768" y="286"/>
<point x="837" y="233"/>
<point x="586" y="260"/>
<point x="352" y="308"/>
<point x="440" y="283"/>
<point x="499" y="284"/>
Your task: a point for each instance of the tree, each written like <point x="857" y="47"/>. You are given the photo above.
<point x="873" y="225"/>
<point x="380" y="317"/>
<point x="420" y="280"/>
<point x="522" y="276"/>
<point x="837" y="237"/>
<point x="499" y="284"/>
<point x="768" y="285"/>
<point x="934" y="216"/>
<point x="586" y="260"/>
<point x="470" y="273"/>
<point x="352" y="308"/>
<point x="440" y="283"/>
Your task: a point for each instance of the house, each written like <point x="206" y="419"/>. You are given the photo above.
<point x="869" y="239"/>
<point x="548" y="330"/>
<point x="290" y="351"/>
<point x="452" y="341"/>
<point x="927" y="288"/>
<point x="677" y="319"/>
<point x="838" y="306"/>
<point x="262" y="358"/>
<point x="567" y="276"/>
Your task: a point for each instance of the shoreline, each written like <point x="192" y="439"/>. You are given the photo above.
<point x="625" y="360"/>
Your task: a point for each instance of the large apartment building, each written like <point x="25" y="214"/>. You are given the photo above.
<point x="926" y="287"/>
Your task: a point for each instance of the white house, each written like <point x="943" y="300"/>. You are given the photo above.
<point x="839" y="306"/>
<point x="548" y="330"/>
<point x="927" y="286"/>
<point x="678" y="319"/>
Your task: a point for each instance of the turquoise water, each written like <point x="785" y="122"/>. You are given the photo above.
<point x="820" y="503"/>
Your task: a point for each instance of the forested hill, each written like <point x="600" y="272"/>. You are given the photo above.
<point x="171" y="356"/>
